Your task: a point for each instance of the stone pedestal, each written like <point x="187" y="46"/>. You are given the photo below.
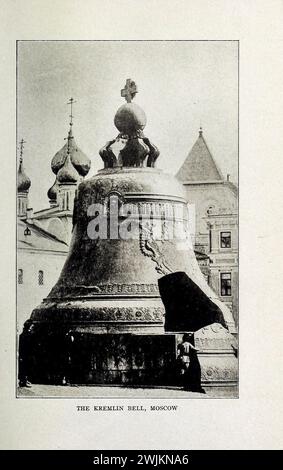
<point x="217" y="356"/>
<point x="80" y="357"/>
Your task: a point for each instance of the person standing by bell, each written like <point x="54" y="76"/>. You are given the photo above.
<point x="190" y="365"/>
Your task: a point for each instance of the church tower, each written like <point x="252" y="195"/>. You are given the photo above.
<point x="23" y="185"/>
<point x="67" y="180"/>
<point x="70" y="166"/>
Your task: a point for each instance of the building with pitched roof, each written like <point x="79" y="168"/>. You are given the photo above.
<point x="214" y="201"/>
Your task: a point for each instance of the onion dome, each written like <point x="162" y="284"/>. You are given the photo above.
<point x="23" y="181"/>
<point x="68" y="173"/>
<point x="78" y="158"/>
<point x="52" y="192"/>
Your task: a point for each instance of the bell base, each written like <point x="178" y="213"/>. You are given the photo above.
<point x="59" y="356"/>
<point x="97" y="315"/>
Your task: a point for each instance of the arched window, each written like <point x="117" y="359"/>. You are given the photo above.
<point x="40" y="278"/>
<point x="20" y="276"/>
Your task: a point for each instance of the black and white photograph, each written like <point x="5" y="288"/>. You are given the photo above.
<point x="127" y="219"/>
<point x="140" y="255"/>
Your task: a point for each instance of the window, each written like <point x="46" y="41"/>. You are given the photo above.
<point x="27" y="232"/>
<point x="20" y="276"/>
<point x="40" y="278"/>
<point x="225" y="239"/>
<point x="225" y="280"/>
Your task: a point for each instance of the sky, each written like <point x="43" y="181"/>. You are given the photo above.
<point x="181" y="85"/>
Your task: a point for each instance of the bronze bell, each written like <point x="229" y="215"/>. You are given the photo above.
<point x="130" y="228"/>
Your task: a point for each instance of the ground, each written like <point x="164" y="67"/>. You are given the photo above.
<point x="81" y="391"/>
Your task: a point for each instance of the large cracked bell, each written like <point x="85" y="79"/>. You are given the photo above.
<point x="130" y="227"/>
<point x="103" y="321"/>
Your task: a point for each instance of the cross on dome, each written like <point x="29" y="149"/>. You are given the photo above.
<point x="22" y="142"/>
<point x="70" y="136"/>
<point x="71" y="102"/>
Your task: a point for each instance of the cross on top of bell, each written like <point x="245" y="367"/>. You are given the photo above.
<point x="129" y="91"/>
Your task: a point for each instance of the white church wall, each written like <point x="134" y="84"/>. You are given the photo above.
<point x="30" y="293"/>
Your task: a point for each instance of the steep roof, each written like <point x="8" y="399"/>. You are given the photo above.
<point x="199" y="164"/>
